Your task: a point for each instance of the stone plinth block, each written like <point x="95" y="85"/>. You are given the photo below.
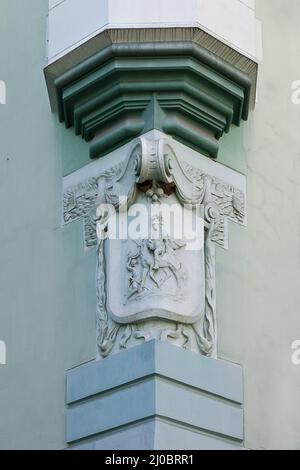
<point x="155" y="396"/>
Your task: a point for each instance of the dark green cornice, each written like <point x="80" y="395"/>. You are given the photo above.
<point x="128" y="89"/>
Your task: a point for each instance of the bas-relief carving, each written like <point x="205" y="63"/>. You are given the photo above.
<point x="151" y="266"/>
<point x="79" y="201"/>
<point x="155" y="288"/>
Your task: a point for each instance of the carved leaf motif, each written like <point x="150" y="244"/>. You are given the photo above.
<point x="220" y="200"/>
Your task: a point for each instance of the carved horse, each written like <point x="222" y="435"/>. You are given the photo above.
<point x="159" y="255"/>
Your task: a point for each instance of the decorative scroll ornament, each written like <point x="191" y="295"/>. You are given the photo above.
<point x="154" y="287"/>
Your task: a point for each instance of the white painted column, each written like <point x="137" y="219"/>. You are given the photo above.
<point x="72" y="23"/>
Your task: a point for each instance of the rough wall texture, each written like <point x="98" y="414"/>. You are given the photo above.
<point x="47" y="291"/>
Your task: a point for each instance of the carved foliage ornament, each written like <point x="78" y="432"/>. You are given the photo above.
<point x="155" y="287"/>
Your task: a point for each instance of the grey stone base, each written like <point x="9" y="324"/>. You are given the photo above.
<point x="156" y="434"/>
<point x="155" y="396"/>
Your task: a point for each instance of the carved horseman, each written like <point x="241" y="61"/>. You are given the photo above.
<point x="163" y="282"/>
<point x="155" y="287"/>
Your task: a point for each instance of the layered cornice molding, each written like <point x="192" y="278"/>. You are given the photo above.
<point x="109" y="37"/>
<point x="178" y="88"/>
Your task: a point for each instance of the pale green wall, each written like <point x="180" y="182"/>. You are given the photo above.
<point x="47" y="294"/>
<point x="259" y="278"/>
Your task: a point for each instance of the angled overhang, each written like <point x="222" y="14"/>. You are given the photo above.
<point x="127" y="89"/>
